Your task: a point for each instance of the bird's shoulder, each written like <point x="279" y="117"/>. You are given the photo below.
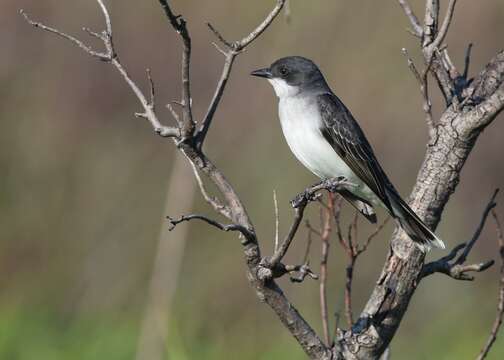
<point x="336" y="116"/>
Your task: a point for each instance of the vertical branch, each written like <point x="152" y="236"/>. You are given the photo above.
<point x="180" y="26"/>
<point x="325" y="219"/>
<point x="415" y="24"/>
<point x="500" y="306"/>
<point x="277" y="220"/>
<point x="430" y="21"/>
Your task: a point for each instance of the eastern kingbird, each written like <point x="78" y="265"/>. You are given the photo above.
<point x="325" y="138"/>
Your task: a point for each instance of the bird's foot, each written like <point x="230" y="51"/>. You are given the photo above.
<point x="310" y="194"/>
<point x="304" y="198"/>
<point x="335" y="184"/>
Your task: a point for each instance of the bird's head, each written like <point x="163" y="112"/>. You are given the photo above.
<point x="292" y="75"/>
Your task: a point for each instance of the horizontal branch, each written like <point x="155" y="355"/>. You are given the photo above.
<point x="332" y="185"/>
<point x="224" y="227"/>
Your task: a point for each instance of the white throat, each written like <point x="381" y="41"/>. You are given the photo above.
<point x="282" y="89"/>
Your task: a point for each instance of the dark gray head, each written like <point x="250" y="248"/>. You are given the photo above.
<point x="292" y="75"/>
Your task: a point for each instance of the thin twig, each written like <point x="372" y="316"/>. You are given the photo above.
<point x="309" y="240"/>
<point x="218" y="225"/>
<point x="491" y="204"/>
<point x="277" y="220"/>
<point x="299" y="204"/>
<point x="456" y="269"/>
<point x="415" y="24"/>
<point x="430" y="26"/>
<point x="467" y="61"/>
<point x="424" y="87"/>
<point x="353" y="250"/>
<point x="445" y="26"/>
<point x="284" y="246"/>
<point x="180" y="26"/>
<point x="325" y="218"/>
<point x="152" y="101"/>
<point x="110" y="56"/>
<point x="212" y="201"/>
<point x="370" y="238"/>
<point x="500" y="306"/>
<point x="233" y="50"/>
<point x="100" y="55"/>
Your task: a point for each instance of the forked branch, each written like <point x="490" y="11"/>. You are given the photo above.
<point x="454" y="266"/>
<point x="231" y="51"/>
<point x="110" y="56"/>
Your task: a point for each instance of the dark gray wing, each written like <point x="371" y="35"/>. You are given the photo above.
<point x="346" y="137"/>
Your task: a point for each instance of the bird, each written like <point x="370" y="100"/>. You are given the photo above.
<point x="325" y="137"/>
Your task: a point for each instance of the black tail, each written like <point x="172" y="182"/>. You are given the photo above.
<point x="423" y="237"/>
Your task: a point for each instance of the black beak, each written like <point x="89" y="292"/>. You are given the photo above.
<point x="264" y="73"/>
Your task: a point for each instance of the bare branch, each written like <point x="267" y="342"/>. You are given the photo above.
<point x="277" y="220"/>
<point x="370" y="238"/>
<point x="100" y="55"/>
<point x="212" y="201"/>
<point x="445" y="26"/>
<point x="247" y="40"/>
<point x="174" y="114"/>
<point x="325" y="218"/>
<point x="233" y="50"/>
<point x="219" y="36"/>
<point x="467" y="61"/>
<point x="297" y="272"/>
<point x="457" y="269"/>
<point x="303" y="271"/>
<point x="491" y="204"/>
<point x="299" y="204"/>
<point x="500" y="305"/>
<point x="152" y="102"/>
<point x="284" y="246"/>
<point x="224" y="227"/>
<point x="180" y="26"/>
<point x="415" y="24"/>
<point x="353" y="251"/>
<point x="111" y="57"/>
<point x="424" y="89"/>
<point x="311" y="194"/>
<point x="430" y="21"/>
<point x="309" y="241"/>
<point x="266" y="289"/>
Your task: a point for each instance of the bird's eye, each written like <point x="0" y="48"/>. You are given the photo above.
<point x="284" y="71"/>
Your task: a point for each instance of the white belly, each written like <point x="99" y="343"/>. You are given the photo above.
<point x="301" y="125"/>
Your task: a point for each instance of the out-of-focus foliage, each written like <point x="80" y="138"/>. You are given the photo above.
<point x="82" y="182"/>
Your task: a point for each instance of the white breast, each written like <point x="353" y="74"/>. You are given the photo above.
<point x="301" y="123"/>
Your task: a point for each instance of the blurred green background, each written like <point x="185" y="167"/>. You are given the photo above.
<point x="87" y="268"/>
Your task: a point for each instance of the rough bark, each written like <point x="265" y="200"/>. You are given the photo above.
<point x="471" y="106"/>
<point x="457" y="132"/>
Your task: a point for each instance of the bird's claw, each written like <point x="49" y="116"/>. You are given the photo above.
<point x="335" y="184"/>
<point x="304" y="198"/>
